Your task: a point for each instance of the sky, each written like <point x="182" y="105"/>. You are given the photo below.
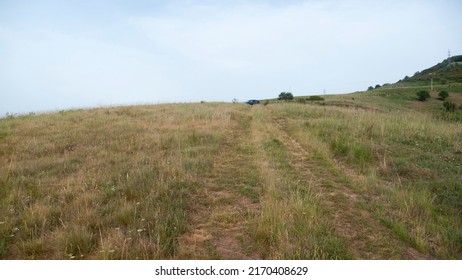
<point x="57" y="55"/>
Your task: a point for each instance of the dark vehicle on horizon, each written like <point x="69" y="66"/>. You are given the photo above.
<point x="253" y="102"/>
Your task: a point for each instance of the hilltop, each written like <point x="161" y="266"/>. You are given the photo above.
<point x="447" y="71"/>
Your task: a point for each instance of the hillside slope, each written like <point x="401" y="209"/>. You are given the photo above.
<point x="447" y="71"/>
<point x="372" y="175"/>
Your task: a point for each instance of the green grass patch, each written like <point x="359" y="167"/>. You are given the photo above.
<point x="250" y="193"/>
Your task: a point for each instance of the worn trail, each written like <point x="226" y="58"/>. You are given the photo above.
<point x="223" y="210"/>
<point x="345" y="204"/>
<point x="220" y="211"/>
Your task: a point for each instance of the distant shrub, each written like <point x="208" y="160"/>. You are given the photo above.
<point x="370" y="88"/>
<point x="302" y="100"/>
<point x="285" y="96"/>
<point x="449" y="106"/>
<point x="315" y="98"/>
<point x="443" y="94"/>
<point x="10" y="115"/>
<point x="423" y="95"/>
<point x="377" y="86"/>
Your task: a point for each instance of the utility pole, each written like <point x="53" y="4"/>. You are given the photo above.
<point x="449" y="57"/>
<point x="431" y="81"/>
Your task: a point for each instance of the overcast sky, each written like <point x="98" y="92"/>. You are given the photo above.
<point x="66" y="54"/>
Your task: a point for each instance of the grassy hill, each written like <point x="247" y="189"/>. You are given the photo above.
<point x="447" y="71"/>
<point x="369" y="175"/>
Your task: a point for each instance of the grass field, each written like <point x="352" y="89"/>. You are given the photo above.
<point x="372" y="175"/>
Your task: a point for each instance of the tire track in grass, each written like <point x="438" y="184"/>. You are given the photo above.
<point x="367" y="237"/>
<point x="225" y="202"/>
<point x="291" y="224"/>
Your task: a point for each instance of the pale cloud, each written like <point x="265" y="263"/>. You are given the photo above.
<point x="255" y="36"/>
<point x="55" y="70"/>
<point x="283" y="43"/>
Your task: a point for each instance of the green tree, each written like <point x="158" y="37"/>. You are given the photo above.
<point x="285" y="96"/>
<point x="423" y="95"/>
<point x="443" y="94"/>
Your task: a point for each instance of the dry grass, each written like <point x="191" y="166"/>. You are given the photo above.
<point x="109" y="183"/>
<point x="292" y="224"/>
<point x="350" y="179"/>
<point x="406" y="162"/>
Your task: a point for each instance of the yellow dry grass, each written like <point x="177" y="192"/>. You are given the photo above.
<point x="230" y="181"/>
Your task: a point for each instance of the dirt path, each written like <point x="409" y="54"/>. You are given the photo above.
<point x="351" y="220"/>
<point x="221" y="212"/>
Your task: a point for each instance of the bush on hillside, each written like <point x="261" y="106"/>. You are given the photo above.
<point x="309" y="99"/>
<point x="423" y="95"/>
<point x="315" y="98"/>
<point x="443" y="94"/>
